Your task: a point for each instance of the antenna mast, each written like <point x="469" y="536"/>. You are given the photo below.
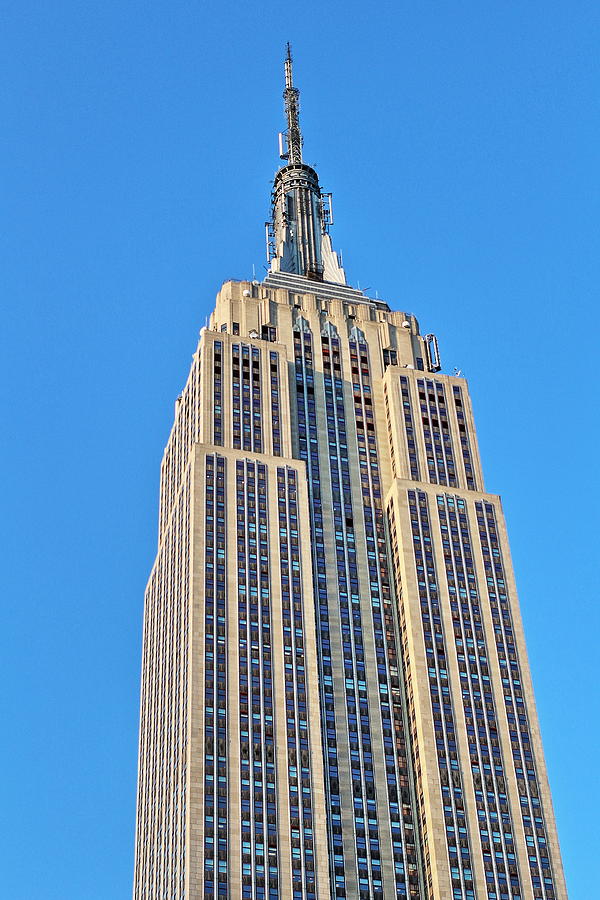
<point x="291" y="96"/>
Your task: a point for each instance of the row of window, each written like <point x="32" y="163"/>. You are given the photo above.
<point x="308" y="450"/>
<point x="215" y="683"/>
<point x="440" y="463"/>
<point x="516" y="710"/>
<point x="394" y="741"/>
<point x="185" y="432"/>
<point x="298" y="738"/>
<point x="457" y="836"/>
<point x="358" y="719"/>
<point x="487" y="765"/>
<point x="260" y="865"/>
<point x="160" y="840"/>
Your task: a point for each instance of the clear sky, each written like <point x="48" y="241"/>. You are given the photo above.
<point x="139" y="140"/>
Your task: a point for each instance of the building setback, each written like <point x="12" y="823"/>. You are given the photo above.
<point x="336" y="699"/>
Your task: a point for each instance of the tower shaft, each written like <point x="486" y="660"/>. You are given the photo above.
<point x="336" y="700"/>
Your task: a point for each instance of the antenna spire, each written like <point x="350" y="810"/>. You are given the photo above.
<point x="298" y="234"/>
<point x="291" y="96"/>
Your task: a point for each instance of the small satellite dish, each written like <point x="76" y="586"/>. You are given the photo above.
<point x="247" y="293"/>
<point x="253" y="334"/>
<point x="406" y="324"/>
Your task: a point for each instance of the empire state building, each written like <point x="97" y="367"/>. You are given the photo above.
<point x="336" y="699"/>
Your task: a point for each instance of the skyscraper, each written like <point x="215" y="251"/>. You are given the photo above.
<point x="336" y="699"/>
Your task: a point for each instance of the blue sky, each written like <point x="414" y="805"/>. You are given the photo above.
<point x="460" y="142"/>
